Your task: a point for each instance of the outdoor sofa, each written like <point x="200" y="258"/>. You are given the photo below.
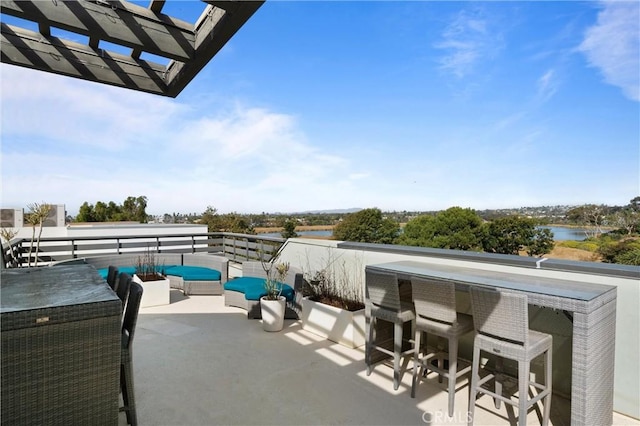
<point x="193" y="273"/>
<point x="245" y="292"/>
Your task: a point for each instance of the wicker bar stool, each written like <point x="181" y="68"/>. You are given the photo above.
<point x="382" y="301"/>
<point x="435" y="307"/>
<point x="501" y="321"/>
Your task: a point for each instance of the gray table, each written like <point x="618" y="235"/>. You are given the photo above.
<point x="60" y="357"/>
<point x="592" y="308"/>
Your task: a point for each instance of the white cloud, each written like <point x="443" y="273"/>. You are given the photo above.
<point x="613" y="45"/>
<point x="547" y="86"/>
<point x="466" y="41"/>
<point x="65" y="111"/>
<point x="87" y="142"/>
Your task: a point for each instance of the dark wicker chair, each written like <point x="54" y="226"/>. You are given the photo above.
<point x="124" y="282"/>
<point x="126" y="367"/>
<point x="112" y="277"/>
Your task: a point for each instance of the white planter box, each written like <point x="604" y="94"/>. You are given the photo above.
<point x="272" y="312"/>
<point x="338" y="325"/>
<point x="155" y="293"/>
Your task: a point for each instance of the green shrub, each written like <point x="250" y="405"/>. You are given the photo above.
<point x="569" y="244"/>
<point x="588" y="245"/>
<point x="625" y="252"/>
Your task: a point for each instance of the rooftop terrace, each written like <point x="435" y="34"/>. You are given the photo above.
<point x="197" y="362"/>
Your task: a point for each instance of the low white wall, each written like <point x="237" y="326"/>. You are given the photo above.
<point x="311" y="255"/>
<point x="110" y="230"/>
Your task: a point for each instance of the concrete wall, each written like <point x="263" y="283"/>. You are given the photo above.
<point x="311" y="255"/>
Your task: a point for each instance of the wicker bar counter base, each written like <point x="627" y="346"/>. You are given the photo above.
<point x="60" y="347"/>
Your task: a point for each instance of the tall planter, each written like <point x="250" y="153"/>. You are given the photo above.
<point x="155" y="293"/>
<point x="336" y="324"/>
<point x="273" y="313"/>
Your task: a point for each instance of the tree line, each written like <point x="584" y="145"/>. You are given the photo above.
<point x="133" y="209"/>
<point x="491" y="231"/>
<point x="455" y="228"/>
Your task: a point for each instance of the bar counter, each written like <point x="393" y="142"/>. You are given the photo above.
<point x="591" y="308"/>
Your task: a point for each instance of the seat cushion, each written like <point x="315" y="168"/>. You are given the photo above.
<point x="126" y="269"/>
<point x="193" y="273"/>
<point x="131" y="270"/>
<point x="253" y="288"/>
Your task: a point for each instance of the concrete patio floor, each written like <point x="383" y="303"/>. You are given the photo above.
<point x="197" y="362"/>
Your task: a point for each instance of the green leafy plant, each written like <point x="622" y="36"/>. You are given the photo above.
<point x="37" y="215"/>
<point x="276" y="274"/>
<point x="7" y="235"/>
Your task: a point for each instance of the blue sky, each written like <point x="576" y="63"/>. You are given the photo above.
<point x="322" y="105"/>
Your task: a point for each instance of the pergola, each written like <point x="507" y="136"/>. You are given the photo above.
<point x="127" y="27"/>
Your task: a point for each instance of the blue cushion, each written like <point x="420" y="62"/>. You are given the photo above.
<point x="194" y="273"/>
<point x="253" y="288"/>
<point x="128" y="269"/>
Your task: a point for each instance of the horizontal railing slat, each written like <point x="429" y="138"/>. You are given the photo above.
<point x="238" y="247"/>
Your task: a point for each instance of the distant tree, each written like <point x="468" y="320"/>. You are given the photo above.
<point x="627" y="218"/>
<point x="512" y="234"/>
<point x="100" y="212"/>
<point x="590" y="215"/>
<point x="234" y="222"/>
<point x="289" y="229"/>
<point x="211" y="218"/>
<point x="114" y="212"/>
<point x="86" y="213"/>
<point x="231" y="222"/>
<point x="134" y="209"/>
<point x="454" y="228"/>
<point x="541" y="242"/>
<point x="367" y="226"/>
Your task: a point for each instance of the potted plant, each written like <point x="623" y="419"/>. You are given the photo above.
<point x="153" y="280"/>
<point x="273" y="304"/>
<point x="333" y="306"/>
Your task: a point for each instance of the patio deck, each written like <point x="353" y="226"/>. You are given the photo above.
<point x="197" y="362"/>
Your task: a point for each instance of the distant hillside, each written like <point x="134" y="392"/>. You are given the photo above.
<point x="335" y="211"/>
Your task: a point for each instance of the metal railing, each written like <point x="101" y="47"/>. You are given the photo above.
<point x="236" y="247"/>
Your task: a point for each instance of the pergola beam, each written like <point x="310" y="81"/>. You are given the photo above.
<point x="189" y="47"/>
<point x="214" y="28"/>
<point x="117" y="22"/>
<point x="156" y="7"/>
<point x="32" y="50"/>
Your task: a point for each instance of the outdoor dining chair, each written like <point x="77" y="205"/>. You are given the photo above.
<point x="124" y="282"/>
<point x="112" y="277"/>
<point x="435" y="307"/>
<point x="382" y="301"/>
<point x="501" y="321"/>
<point x="126" y="367"/>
